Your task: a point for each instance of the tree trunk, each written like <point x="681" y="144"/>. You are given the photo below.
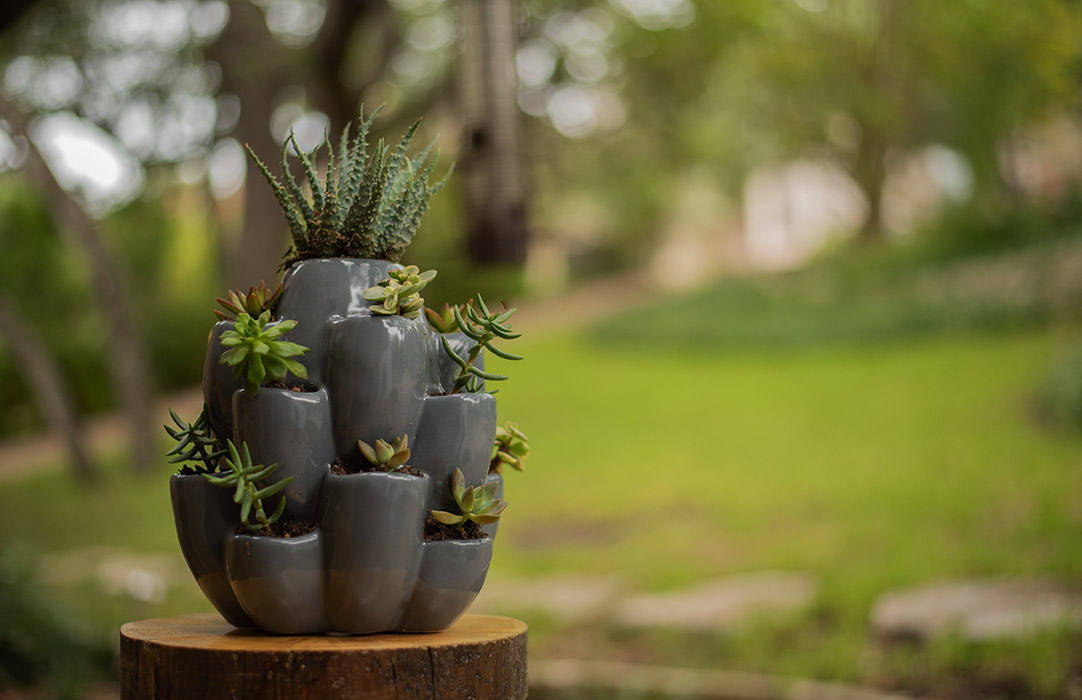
<point x="494" y="191"/>
<point x="125" y="351"/>
<point x="870" y="173"/>
<point x="254" y="68"/>
<point x="47" y="384"/>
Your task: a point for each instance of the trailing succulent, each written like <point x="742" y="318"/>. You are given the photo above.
<point x="195" y="443"/>
<point x="389" y="456"/>
<point x="256" y="353"/>
<point x="511" y="447"/>
<point x="255" y="302"/>
<point x="243" y="476"/>
<point x="369" y="205"/>
<point x="400" y="292"/>
<point x="482" y="326"/>
<point x="477" y="504"/>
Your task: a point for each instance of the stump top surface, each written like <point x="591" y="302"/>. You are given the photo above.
<point x="209" y="631"/>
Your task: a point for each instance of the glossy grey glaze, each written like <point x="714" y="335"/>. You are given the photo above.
<point x="375" y="372"/>
<point x="278" y="581"/>
<point x="455" y="431"/>
<point x="292" y="429"/>
<point x="204" y="514"/>
<point x="373" y="532"/>
<point x="490" y="530"/>
<point x="315" y="292"/>
<point x="452" y="573"/>
<point x="219" y="384"/>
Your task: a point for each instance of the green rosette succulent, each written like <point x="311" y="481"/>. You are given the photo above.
<point x="511" y="448"/>
<point x="389" y="455"/>
<point x="256" y="353"/>
<point x="477" y="504"/>
<point x="400" y="292"/>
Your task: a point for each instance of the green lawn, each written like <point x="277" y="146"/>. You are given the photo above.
<point x="871" y="466"/>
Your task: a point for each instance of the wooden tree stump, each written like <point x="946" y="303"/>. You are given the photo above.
<point x="202" y="657"/>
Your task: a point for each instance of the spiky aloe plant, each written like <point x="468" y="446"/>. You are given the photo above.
<point x="243" y="476"/>
<point x="255" y="302"/>
<point x="400" y="293"/>
<point x="475" y="503"/>
<point x="390" y="456"/>
<point x="195" y="443"/>
<point x="369" y="205"/>
<point x="256" y="353"/>
<point x="483" y="326"/>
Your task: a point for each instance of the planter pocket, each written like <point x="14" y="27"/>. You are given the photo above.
<point x="278" y="580"/>
<point x="451" y="576"/>
<point x="373" y="533"/>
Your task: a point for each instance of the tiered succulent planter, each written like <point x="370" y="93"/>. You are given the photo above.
<point x="366" y="567"/>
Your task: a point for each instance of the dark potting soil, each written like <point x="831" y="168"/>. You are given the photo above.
<point x="306" y="387"/>
<point x="342" y="469"/>
<point x="280" y="529"/>
<point x="435" y="531"/>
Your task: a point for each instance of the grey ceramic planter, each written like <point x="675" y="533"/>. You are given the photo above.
<point x="375" y="371"/>
<point x="491" y="529"/>
<point x="316" y="292"/>
<point x="374" y="532"/>
<point x="204" y="514"/>
<point x="278" y="581"/>
<point x="455" y="431"/>
<point x="452" y="573"/>
<point x="292" y="429"/>
<point x="376" y="378"/>
<point x="219" y="384"/>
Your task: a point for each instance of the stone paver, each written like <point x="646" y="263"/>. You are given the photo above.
<point x="977" y="609"/>
<point x="566" y="597"/>
<point x="719" y="604"/>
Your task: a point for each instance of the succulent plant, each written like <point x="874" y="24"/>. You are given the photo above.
<point x="390" y="456"/>
<point x="443" y="321"/>
<point x="369" y="205"/>
<point x="255" y="302"/>
<point x="400" y="292"/>
<point x="475" y="503"/>
<point x="481" y="325"/>
<point x="195" y="443"/>
<point x="243" y="476"/>
<point x="511" y="447"/>
<point x="256" y="353"/>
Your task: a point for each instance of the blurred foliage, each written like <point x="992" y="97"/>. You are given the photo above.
<point x="1059" y="392"/>
<point x="164" y="253"/>
<point x="39" y="642"/>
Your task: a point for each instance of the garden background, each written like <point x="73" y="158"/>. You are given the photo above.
<point x="799" y="284"/>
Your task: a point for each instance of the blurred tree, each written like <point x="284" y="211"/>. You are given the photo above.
<point x="50" y="389"/>
<point x="492" y="151"/>
<point x="859" y="80"/>
<point x="125" y="348"/>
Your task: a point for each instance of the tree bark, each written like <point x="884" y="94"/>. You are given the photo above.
<point x="494" y="191"/>
<point x="47" y="384"/>
<point x="125" y="351"/>
<point x="254" y="67"/>
<point x="480" y="657"/>
<point x="870" y="173"/>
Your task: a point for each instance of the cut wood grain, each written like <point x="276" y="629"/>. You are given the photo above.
<point x="202" y="657"/>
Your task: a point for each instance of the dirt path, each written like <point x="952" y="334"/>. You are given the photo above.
<point x="582" y="306"/>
